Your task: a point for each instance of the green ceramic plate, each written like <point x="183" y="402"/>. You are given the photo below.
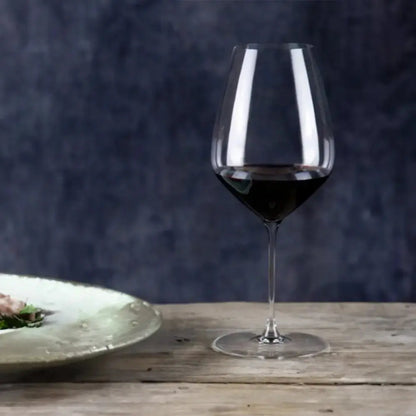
<point x="82" y="322"/>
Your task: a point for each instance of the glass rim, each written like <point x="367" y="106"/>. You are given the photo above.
<point x="283" y="46"/>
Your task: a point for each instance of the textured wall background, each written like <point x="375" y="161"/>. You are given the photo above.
<point x="106" y="114"/>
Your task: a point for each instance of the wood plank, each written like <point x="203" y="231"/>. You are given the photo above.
<point x="205" y="399"/>
<point x="371" y="343"/>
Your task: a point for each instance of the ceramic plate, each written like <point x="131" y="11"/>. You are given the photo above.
<point x="82" y="322"/>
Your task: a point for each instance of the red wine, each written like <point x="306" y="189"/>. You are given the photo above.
<point x="272" y="192"/>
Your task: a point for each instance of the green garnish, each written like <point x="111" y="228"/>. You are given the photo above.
<point x="29" y="309"/>
<point x="29" y="316"/>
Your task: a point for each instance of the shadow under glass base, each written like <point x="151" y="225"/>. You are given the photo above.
<point x="248" y="344"/>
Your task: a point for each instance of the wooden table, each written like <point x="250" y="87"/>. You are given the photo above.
<point x="370" y="370"/>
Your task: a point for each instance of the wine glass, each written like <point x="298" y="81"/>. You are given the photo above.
<point x="272" y="148"/>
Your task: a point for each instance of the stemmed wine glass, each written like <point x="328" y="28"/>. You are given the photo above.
<point x="272" y="149"/>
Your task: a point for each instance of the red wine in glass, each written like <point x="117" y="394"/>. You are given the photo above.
<point x="272" y="192"/>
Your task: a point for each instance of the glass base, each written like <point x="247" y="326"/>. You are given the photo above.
<point x="250" y="345"/>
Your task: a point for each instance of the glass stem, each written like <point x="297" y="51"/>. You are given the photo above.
<point x="271" y="333"/>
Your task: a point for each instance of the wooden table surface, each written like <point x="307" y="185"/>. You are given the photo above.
<point x="370" y="370"/>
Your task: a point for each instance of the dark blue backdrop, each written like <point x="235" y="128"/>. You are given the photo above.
<point x="106" y="114"/>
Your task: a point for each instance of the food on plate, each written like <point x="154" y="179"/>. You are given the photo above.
<point x="15" y="313"/>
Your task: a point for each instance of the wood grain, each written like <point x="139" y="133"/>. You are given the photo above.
<point x="370" y="344"/>
<point x="183" y="399"/>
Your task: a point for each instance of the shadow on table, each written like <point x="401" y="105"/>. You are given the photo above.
<point x="178" y="348"/>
